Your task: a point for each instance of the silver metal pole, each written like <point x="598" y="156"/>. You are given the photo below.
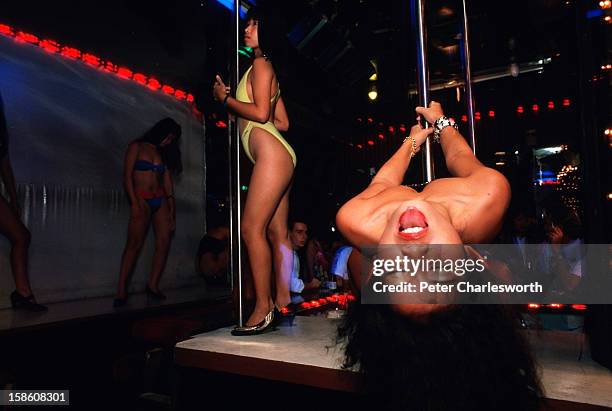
<point x="418" y="22"/>
<point x="234" y="173"/>
<point x="465" y="55"/>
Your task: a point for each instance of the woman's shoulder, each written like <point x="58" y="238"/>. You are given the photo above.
<point x="261" y="63"/>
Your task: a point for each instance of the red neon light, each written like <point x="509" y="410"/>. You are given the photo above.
<point x="477" y="115"/>
<point x="315" y="303"/>
<point x="464" y="118"/>
<point x="491" y="113"/>
<point x="221" y="124"/>
<point x="391" y="129"/>
<point x="153" y="84"/>
<point x="551" y="105"/>
<point x="110" y="67"/>
<point x="351" y="297"/>
<point x="402" y="128"/>
<point x="284" y="310"/>
<point x="359" y="146"/>
<point x="306" y="305"/>
<point x="566" y="102"/>
<point x="6" y="30"/>
<point x="27" y="37"/>
<point x="555" y="305"/>
<point x="140" y="78"/>
<point x="381" y="136"/>
<point x="125" y="73"/>
<point x="91" y="59"/>
<point x="519" y="109"/>
<point x="50" y="46"/>
<point x="370" y="142"/>
<point x="167" y="89"/>
<point x="71" y="52"/>
<point x="533" y="306"/>
<point x="359" y="119"/>
<point x="579" y="307"/>
<point x="322" y="301"/>
<point x="370" y="120"/>
<point x="549" y="182"/>
<point x="535" y="107"/>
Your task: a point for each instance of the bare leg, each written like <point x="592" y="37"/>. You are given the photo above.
<point x="278" y="234"/>
<point x="137" y="230"/>
<point x="161" y="227"/>
<point x="271" y="176"/>
<point x="19" y="236"/>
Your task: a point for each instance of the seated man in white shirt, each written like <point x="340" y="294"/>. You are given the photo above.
<point x="298" y="234"/>
<point x="339" y="266"/>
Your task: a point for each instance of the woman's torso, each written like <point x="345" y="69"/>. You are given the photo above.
<point x="244" y="93"/>
<point x="454" y="194"/>
<point x="148" y="180"/>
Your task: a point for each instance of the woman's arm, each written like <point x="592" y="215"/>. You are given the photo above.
<point x="460" y="159"/>
<point x="9" y="180"/>
<point x="169" y="189"/>
<point x="281" y="119"/>
<point x="391" y="174"/>
<point x="128" y="170"/>
<point x="262" y="75"/>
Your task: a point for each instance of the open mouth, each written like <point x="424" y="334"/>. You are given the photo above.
<point x="412" y="224"/>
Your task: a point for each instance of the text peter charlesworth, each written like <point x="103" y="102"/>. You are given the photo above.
<point x="456" y="266"/>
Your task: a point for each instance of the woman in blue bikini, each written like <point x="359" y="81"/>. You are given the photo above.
<point x="262" y="116"/>
<point x="149" y="163"/>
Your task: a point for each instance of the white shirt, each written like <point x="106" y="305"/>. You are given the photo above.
<point x="339" y="266"/>
<point x="296" y="285"/>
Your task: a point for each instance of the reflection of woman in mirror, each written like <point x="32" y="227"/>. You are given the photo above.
<point x="262" y="116"/>
<point x="148" y="167"/>
<point x="13" y="229"/>
<point x="435" y="356"/>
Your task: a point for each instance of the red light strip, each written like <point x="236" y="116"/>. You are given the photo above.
<point x="52" y="46"/>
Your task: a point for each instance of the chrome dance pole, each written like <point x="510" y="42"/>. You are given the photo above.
<point x="234" y="173"/>
<point x="417" y="11"/>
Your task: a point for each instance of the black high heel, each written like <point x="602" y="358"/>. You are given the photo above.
<point x="264" y="325"/>
<point x="286" y="318"/>
<point x="158" y="295"/>
<point x="18" y="301"/>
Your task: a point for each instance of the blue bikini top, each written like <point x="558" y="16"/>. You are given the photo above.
<point x="144" y="165"/>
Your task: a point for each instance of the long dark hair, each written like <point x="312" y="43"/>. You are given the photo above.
<point x="171" y="154"/>
<point x="271" y="32"/>
<point x="464" y="357"/>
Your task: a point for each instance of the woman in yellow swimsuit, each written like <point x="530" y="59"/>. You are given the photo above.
<point x="262" y="116"/>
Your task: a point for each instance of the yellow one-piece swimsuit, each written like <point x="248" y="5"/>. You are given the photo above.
<point x="242" y="95"/>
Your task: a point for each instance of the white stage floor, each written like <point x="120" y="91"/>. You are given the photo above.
<point x="299" y="355"/>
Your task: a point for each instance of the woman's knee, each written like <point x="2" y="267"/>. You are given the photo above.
<point x="277" y="234"/>
<point x="163" y="241"/>
<point x="135" y="243"/>
<point x="251" y="232"/>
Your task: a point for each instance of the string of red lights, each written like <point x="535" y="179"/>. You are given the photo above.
<point x="52" y="46"/>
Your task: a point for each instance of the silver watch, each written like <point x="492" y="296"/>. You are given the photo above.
<point x="440" y="124"/>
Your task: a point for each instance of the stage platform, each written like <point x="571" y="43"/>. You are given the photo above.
<point x="306" y="354"/>
<point x="66" y="312"/>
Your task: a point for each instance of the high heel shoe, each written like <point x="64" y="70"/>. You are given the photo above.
<point x="158" y="295"/>
<point x="264" y="325"/>
<point x="284" y="316"/>
<point x="18" y="301"/>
